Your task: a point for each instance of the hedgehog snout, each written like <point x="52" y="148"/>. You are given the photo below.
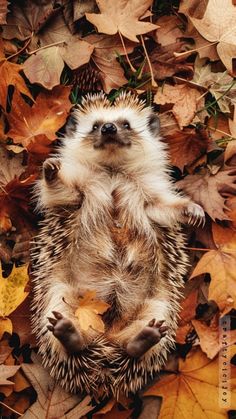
<point x="108" y="129"/>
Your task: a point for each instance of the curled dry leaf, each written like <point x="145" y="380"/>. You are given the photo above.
<point x="89" y="311"/>
<point x="192" y="391"/>
<point x="122" y="16"/>
<point x="185" y="101"/>
<point x="207" y="188"/>
<point x="218" y="26"/>
<point x="221" y="265"/>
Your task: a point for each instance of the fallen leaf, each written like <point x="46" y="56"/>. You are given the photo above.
<point x="207" y="188"/>
<point x="187" y="146"/>
<point x="221" y="265"/>
<point x="211" y="28"/>
<point x="122" y="16"/>
<point x="209" y="336"/>
<point x="12" y="290"/>
<point x="5" y="350"/>
<point x="185" y="101"/>
<point x="89" y="310"/>
<point x="42" y="120"/>
<point x="3" y="11"/>
<point x="5" y="326"/>
<point x="7" y="371"/>
<point x="52" y="401"/>
<point x="193" y="391"/>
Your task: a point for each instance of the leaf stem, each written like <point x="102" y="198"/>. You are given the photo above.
<point x="21" y="50"/>
<point x="11" y="408"/>
<point x="154" y="84"/>
<point x="47" y="46"/>
<point x="125" y="51"/>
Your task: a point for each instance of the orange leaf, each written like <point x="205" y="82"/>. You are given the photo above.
<point x="89" y="310"/>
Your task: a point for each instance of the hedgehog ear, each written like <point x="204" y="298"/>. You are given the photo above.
<point x="154" y="124"/>
<point x="71" y="125"/>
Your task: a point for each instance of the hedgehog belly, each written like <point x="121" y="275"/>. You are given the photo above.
<point x="129" y="268"/>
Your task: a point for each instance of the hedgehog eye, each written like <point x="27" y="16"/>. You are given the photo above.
<point x="126" y="125"/>
<point x="95" y="127"/>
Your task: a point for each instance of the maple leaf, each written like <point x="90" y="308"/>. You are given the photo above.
<point x="185" y="101"/>
<point x="42" y="120"/>
<point x="3" y="11"/>
<point x="7" y="371"/>
<point x="221" y="265"/>
<point x="207" y="188"/>
<point x="122" y="16"/>
<point x="52" y="401"/>
<point x="211" y="28"/>
<point x="187" y="146"/>
<point x="192" y="391"/>
<point x="12" y="290"/>
<point x="89" y="310"/>
<point x="9" y="76"/>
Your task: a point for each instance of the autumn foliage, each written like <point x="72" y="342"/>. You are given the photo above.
<point x="180" y="57"/>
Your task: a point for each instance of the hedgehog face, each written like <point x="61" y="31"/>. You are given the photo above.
<point x="111" y="133"/>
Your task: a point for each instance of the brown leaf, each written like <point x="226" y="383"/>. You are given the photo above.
<point x="184" y="100"/>
<point x="207" y="188"/>
<point x="52" y="401"/>
<point x="5" y="350"/>
<point x="3" y="11"/>
<point x="211" y="28"/>
<point x="7" y="371"/>
<point x="42" y="120"/>
<point x="187" y="146"/>
<point x="80" y="7"/>
<point x="122" y="16"/>
<point x="221" y="265"/>
<point x="89" y="310"/>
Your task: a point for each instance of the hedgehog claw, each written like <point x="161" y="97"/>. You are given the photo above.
<point x="50" y="327"/>
<point x="57" y="315"/>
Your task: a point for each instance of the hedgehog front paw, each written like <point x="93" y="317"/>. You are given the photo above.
<point x="149" y="336"/>
<point x="51" y="168"/>
<point x="64" y="330"/>
<point x="195" y="214"/>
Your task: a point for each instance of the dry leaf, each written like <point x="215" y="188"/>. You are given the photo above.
<point x="42" y="120"/>
<point x="211" y="28"/>
<point x="221" y="265"/>
<point x="3" y="11"/>
<point x="122" y="16"/>
<point x="52" y="401"/>
<point x="193" y="391"/>
<point x="185" y="101"/>
<point x="187" y="146"/>
<point x="89" y="311"/>
<point x="7" y="371"/>
<point x="207" y="188"/>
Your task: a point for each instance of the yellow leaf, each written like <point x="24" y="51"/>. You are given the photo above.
<point x="194" y="391"/>
<point x="89" y="311"/>
<point x="12" y="292"/>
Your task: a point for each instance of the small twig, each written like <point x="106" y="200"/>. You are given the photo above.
<point x="126" y="54"/>
<point x="11" y="408"/>
<point x="149" y="62"/>
<point x="47" y="46"/>
<point x="198" y="248"/>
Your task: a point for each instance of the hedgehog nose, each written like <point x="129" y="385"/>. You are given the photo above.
<point x="108" y="129"/>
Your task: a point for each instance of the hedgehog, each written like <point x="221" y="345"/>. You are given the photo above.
<point x="112" y="223"/>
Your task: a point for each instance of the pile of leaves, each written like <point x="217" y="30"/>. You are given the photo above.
<point x="179" y="57"/>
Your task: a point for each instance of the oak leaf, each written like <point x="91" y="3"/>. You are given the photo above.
<point x="7" y="371"/>
<point x="53" y="401"/>
<point x="193" y="391"/>
<point x="185" y="101"/>
<point x="211" y="28"/>
<point x="122" y="16"/>
<point x="207" y="188"/>
<point x="42" y="120"/>
<point x="89" y="311"/>
<point x="221" y="265"/>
